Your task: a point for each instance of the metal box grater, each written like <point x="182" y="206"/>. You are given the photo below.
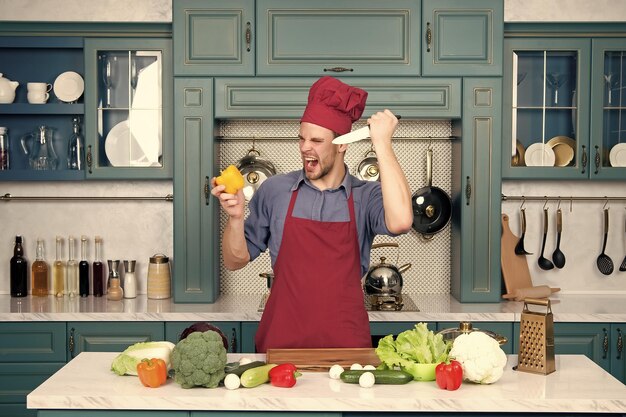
<point x="536" y="339"/>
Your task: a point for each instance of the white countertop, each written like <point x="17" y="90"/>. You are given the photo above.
<point x="566" y="308"/>
<point x="577" y="386"/>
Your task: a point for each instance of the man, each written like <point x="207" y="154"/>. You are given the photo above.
<point x="319" y="223"/>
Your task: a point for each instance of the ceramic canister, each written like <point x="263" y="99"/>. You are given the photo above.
<point x="159" y="279"/>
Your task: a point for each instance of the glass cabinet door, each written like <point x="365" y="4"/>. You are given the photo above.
<point x="609" y="108"/>
<point x="545" y="133"/>
<point x="128" y="128"/>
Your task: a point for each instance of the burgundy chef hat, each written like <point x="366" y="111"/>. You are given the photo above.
<point x="334" y="105"/>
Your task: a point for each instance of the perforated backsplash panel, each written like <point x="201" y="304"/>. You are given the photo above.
<point x="429" y="258"/>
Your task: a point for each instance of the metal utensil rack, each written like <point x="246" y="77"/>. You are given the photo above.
<point x="560" y="198"/>
<point x="8" y="197"/>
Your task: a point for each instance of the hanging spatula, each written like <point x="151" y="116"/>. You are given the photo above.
<point x="622" y="267"/>
<point x="604" y="261"/>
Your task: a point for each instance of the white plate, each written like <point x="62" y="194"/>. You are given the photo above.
<point x="539" y="155"/>
<point x="69" y="86"/>
<point x="617" y="156"/>
<point x="122" y="148"/>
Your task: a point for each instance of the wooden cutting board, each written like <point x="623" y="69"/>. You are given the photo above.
<point x="320" y="360"/>
<point x="514" y="267"/>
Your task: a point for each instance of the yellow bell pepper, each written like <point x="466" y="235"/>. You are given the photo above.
<point x="231" y="178"/>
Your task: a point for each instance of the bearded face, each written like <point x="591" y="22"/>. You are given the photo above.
<point x="319" y="155"/>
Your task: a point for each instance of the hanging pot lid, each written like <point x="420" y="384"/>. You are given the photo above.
<point x="368" y="167"/>
<point x="255" y="170"/>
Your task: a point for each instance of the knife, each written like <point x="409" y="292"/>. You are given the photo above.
<point x="355" y="135"/>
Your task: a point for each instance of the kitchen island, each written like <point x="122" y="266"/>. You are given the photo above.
<point x="86" y="383"/>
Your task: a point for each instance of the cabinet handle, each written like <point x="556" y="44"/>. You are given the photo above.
<point x="584" y="159"/>
<point x="248" y="36"/>
<point x="89" y="158"/>
<point x="468" y="191"/>
<point x="70" y="343"/>
<point x="605" y="344"/>
<point x="429" y="37"/>
<point x="620" y="344"/>
<point x="207" y="193"/>
<point x="233" y="342"/>
<point x="597" y="159"/>
<point x="338" y="69"/>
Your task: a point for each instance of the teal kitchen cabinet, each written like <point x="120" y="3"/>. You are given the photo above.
<point x="196" y="221"/>
<point x="40" y="59"/>
<point x="462" y="38"/>
<point x="280" y="98"/>
<point x="608" y="109"/>
<point x="29" y="354"/>
<point x="348" y="37"/>
<point x="213" y="37"/>
<point x="110" y="336"/>
<point x="128" y="108"/>
<point x="231" y="329"/>
<point x="111" y="413"/>
<point x="546" y="102"/>
<point x="476" y="194"/>
<point x="617" y="354"/>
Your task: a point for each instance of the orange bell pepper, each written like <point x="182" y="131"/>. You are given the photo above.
<point x="152" y="372"/>
<point x="231" y="178"/>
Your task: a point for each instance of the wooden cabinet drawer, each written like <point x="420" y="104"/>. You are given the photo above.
<point x="111" y="336"/>
<point x="32" y="342"/>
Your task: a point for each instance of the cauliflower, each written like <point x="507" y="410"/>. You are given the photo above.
<point x="480" y="355"/>
<point x="199" y="360"/>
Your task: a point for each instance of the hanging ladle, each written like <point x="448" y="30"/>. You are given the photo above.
<point x="519" y="248"/>
<point x="558" y="257"/>
<point x="604" y="262"/>
<point x="544" y="263"/>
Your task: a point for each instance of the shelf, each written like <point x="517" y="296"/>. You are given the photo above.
<point x="53" y="175"/>
<point x="48" y="108"/>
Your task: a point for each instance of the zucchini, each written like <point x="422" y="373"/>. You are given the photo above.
<point x="381" y="377"/>
<point x="256" y="376"/>
<point x="240" y="369"/>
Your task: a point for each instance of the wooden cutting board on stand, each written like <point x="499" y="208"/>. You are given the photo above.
<point x="320" y="360"/>
<point x="514" y="267"/>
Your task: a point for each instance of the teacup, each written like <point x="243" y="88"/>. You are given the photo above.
<point x="38" y="87"/>
<point x="37" y="97"/>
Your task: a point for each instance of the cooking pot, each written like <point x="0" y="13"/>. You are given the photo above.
<point x="368" y="167"/>
<point x="255" y="169"/>
<point x="384" y="279"/>
<point x="466" y="327"/>
<point x="432" y="207"/>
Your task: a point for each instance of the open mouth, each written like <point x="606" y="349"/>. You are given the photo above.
<point x="310" y="163"/>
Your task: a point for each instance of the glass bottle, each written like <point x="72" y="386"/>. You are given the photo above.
<point x="83" y="268"/>
<point x="40" y="272"/>
<point x="4" y="149"/>
<point x="114" y="292"/>
<point x="75" y="146"/>
<point x="98" y="269"/>
<point x="19" y="270"/>
<point x="58" y="271"/>
<point x="130" y="282"/>
<point x="72" y="271"/>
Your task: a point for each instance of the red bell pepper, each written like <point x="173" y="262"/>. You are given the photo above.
<point x="449" y="375"/>
<point x="152" y="372"/>
<point x="284" y="375"/>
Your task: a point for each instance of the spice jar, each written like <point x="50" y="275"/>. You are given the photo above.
<point x="159" y="279"/>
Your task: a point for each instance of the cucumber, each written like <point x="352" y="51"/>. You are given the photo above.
<point x="256" y="376"/>
<point x="239" y="370"/>
<point x="381" y="377"/>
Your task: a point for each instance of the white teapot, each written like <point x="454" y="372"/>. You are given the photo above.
<point x="7" y="90"/>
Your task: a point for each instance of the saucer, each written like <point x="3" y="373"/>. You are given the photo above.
<point x="564" y="150"/>
<point x="617" y="156"/>
<point x="539" y="155"/>
<point x="69" y="86"/>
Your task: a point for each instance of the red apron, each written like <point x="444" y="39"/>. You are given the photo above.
<point x="316" y="299"/>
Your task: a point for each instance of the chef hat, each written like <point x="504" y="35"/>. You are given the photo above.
<point x="334" y="105"/>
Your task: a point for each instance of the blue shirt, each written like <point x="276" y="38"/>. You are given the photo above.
<point x="269" y="204"/>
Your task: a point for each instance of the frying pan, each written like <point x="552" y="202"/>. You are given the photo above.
<point x="432" y="207"/>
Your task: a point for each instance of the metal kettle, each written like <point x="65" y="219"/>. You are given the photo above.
<point x="384" y="279"/>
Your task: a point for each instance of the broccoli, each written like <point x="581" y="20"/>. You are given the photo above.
<point x="199" y="360"/>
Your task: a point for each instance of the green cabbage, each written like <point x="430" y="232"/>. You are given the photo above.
<point x="411" y="347"/>
<point x="126" y="362"/>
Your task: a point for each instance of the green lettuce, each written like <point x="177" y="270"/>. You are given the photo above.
<point x="126" y="362"/>
<point x="412" y="347"/>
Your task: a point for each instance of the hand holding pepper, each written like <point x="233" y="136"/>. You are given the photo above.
<point x="449" y="375"/>
<point x="284" y="375"/>
<point x="231" y="178"/>
<point x="152" y="372"/>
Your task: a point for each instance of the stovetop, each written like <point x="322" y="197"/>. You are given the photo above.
<point x="407" y="304"/>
